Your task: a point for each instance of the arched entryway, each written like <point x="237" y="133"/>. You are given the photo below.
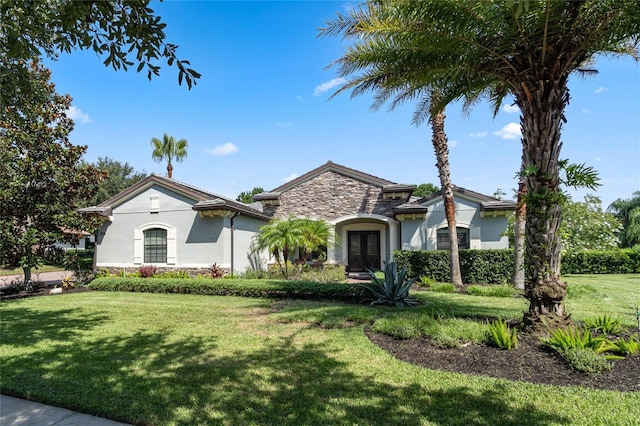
<point x="365" y="241"/>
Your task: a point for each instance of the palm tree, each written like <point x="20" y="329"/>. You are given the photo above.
<point x="440" y="146"/>
<point x="280" y="237"/>
<point x="466" y="50"/>
<point x="316" y="234"/>
<point x="169" y="149"/>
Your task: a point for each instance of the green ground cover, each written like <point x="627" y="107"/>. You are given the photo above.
<point x="182" y="359"/>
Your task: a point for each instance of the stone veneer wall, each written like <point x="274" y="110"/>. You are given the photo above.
<point x="332" y="195"/>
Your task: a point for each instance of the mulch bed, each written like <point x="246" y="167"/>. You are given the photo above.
<point x="8" y="293"/>
<point x="529" y="362"/>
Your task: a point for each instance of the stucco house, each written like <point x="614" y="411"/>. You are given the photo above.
<point x="170" y="224"/>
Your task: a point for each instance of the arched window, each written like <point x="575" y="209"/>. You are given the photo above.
<point x="443" y="238"/>
<point x="155" y="245"/>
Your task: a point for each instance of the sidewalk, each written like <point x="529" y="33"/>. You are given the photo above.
<point x="14" y="412"/>
<point x="45" y="278"/>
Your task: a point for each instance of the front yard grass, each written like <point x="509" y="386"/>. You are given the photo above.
<point x="175" y="359"/>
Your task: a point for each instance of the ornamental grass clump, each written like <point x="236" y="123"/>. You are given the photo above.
<point x="582" y="351"/>
<point x="605" y="324"/>
<point x="393" y="289"/>
<point x="502" y="336"/>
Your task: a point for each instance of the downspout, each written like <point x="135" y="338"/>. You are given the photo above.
<point x="235" y="214"/>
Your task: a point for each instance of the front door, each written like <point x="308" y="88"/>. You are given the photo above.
<point x="364" y="250"/>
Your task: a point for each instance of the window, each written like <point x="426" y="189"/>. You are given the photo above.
<point x="155" y="246"/>
<point x="443" y="238"/>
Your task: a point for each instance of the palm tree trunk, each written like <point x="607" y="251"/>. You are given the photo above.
<point x="170" y="170"/>
<point x="442" y="157"/>
<point x="542" y="105"/>
<point x="519" y="234"/>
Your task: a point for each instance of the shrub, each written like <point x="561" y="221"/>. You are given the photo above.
<point x="605" y="324"/>
<point x="147" y="271"/>
<point x="238" y="287"/>
<point x="426" y="281"/>
<point x="497" y="290"/>
<point x="585" y="360"/>
<point x="393" y="289"/>
<point x="67" y="283"/>
<point x="626" y="347"/>
<point x="172" y="274"/>
<point x="572" y="338"/>
<point x="502" y="336"/>
<point x="443" y="288"/>
<point x="216" y="271"/>
<point x="623" y="261"/>
<point x="476" y="266"/>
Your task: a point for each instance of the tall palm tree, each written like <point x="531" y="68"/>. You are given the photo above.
<point x="440" y="146"/>
<point x="169" y="149"/>
<point x="466" y="50"/>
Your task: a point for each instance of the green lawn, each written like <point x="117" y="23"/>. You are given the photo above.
<point x="183" y="359"/>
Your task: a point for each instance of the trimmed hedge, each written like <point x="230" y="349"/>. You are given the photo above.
<point x="476" y="266"/>
<point x="624" y="261"/>
<point x="352" y="293"/>
<point x="496" y="266"/>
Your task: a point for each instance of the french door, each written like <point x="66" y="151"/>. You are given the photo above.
<point x="364" y="250"/>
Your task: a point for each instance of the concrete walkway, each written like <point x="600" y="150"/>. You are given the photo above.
<point x="15" y="411"/>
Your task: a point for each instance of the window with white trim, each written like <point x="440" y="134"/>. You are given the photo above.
<point x="155" y="245"/>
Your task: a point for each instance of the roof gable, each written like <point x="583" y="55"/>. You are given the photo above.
<point x="387" y="186"/>
<point x="330" y="166"/>
<point x="203" y="200"/>
<point x="488" y="205"/>
<point x="183" y="189"/>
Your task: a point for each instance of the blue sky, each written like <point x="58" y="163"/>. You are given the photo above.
<point x="261" y="115"/>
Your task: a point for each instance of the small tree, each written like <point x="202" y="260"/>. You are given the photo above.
<point x="247" y="197"/>
<point x="316" y="234"/>
<point x="281" y="237"/>
<point x="628" y="212"/>
<point x="586" y="226"/>
<point x="425" y="189"/>
<point x="42" y="180"/>
<point x="119" y="176"/>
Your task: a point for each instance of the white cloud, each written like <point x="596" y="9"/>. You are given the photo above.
<point x="289" y="178"/>
<point x="77" y="115"/>
<point x="600" y="89"/>
<point x="586" y="111"/>
<point x="453" y="144"/>
<point x="510" y="131"/>
<point x="324" y="87"/>
<point x="226" y="149"/>
<point x="511" y="109"/>
<point x="479" y="134"/>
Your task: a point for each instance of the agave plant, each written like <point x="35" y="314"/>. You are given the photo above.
<point x="393" y="290"/>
